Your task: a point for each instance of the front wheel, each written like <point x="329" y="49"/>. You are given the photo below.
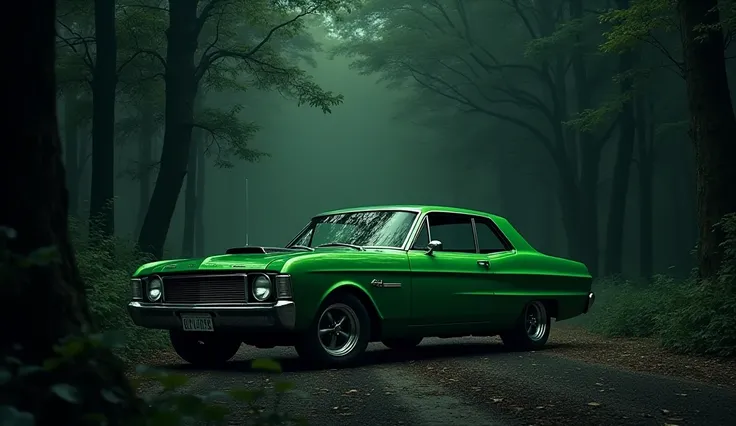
<point x="531" y="330"/>
<point x="339" y="334"/>
<point x="203" y="349"/>
<point x="402" y="344"/>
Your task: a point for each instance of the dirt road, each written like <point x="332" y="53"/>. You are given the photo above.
<point x="473" y="381"/>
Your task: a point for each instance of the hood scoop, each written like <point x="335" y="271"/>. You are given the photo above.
<point x="260" y="250"/>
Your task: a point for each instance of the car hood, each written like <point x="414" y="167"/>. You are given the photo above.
<point x="257" y="261"/>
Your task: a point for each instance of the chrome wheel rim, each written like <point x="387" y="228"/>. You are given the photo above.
<point x="338" y="329"/>
<point x="535" y="321"/>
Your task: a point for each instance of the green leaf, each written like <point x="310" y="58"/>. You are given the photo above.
<point x="26" y="370"/>
<point x="245" y="395"/>
<point x="172" y="381"/>
<point x="66" y="392"/>
<point x="282" y="387"/>
<point x="9" y="416"/>
<point x="43" y="256"/>
<point x="5" y="376"/>
<point x="110" y="396"/>
<point x="266" y="364"/>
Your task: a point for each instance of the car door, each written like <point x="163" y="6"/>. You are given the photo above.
<point x="485" y="304"/>
<point x="443" y="282"/>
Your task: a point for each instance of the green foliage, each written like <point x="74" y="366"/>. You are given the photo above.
<point x="229" y="135"/>
<point x="687" y="316"/>
<point x="639" y="23"/>
<point x="81" y="382"/>
<point x="105" y="267"/>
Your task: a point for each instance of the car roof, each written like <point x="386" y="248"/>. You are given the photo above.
<point x="418" y="208"/>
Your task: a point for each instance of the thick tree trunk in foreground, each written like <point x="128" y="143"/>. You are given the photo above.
<point x="712" y="126"/>
<point x="104" y="81"/>
<point x="181" y="89"/>
<point x="44" y="301"/>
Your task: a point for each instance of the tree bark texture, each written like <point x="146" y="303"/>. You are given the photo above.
<point x="712" y="126"/>
<point x="181" y="89"/>
<point x="104" y="82"/>
<point x="45" y="300"/>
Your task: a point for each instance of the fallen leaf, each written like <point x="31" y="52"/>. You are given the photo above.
<point x="681" y="394"/>
<point x="351" y="391"/>
<point x="664" y="411"/>
<point x="496" y="400"/>
<point x="594" y="404"/>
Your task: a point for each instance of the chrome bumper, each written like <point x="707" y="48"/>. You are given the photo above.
<point x="236" y="317"/>
<point x="589" y="303"/>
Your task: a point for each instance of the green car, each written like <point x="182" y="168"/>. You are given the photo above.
<point x="394" y="274"/>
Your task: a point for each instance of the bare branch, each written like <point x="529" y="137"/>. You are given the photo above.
<point x="148" y="52"/>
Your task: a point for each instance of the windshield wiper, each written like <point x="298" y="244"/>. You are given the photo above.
<point x="301" y="247"/>
<point x="356" y="247"/>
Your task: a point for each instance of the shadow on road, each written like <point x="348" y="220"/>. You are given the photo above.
<point x="382" y="356"/>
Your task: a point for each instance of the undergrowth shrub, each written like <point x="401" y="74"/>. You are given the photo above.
<point x="106" y="267"/>
<point x="689" y="315"/>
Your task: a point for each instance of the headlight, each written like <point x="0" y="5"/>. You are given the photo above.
<point x="262" y="288"/>
<point x="155" y="289"/>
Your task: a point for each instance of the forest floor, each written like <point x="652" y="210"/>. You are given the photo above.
<point x="580" y="378"/>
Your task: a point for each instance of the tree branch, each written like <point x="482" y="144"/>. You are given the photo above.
<point x="149" y="52"/>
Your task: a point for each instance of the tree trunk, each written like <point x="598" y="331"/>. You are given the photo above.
<point x="712" y="125"/>
<point x="590" y="153"/>
<point x="190" y="203"/>
<point x="104" y="81"/>
<point x="46" y="301"/>
<point x="145" y="157"/>
<point x="622" y="166"/>
<point x="71" y="148"/>
<point x="181" y="89"/>
<point x="645" y="144"/>
<point x="199" y="214"/>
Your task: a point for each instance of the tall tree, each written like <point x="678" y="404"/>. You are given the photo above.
<point x="104" y="83"/>
<point x="268" y="21"/>
<point x="712" y="124"/>
<point x="44" y="296"/>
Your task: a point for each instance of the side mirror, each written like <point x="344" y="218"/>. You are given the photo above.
<point x="434" y="245"/>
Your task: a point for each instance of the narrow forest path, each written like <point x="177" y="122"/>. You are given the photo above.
<point x="472" y="381"/>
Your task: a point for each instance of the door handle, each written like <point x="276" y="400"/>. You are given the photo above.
<point x="484" y="263"/>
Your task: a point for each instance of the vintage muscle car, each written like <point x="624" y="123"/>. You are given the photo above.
<point x="394" y="274"/>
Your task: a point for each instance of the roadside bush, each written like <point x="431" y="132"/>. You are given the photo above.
<point x="106" y="267"/>
<point x="689" y="316"/>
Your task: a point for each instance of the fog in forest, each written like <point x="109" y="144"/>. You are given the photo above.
<point x="407" y="136"/>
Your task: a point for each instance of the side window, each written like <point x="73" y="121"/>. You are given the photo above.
<point x="488" y="241"/>
<point x="422" y="238"/>
<point x="453" y="230"/>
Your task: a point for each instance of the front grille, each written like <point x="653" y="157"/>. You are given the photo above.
<point x="205" y="289"/>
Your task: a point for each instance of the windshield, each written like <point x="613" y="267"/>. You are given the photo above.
<point x="382" y="228"/>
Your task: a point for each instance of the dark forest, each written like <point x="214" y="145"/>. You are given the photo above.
<point x="147" y="130"/>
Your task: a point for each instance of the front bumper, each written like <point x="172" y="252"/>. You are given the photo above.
<point x="589" y="302"/>
<point x="229" y="317"/>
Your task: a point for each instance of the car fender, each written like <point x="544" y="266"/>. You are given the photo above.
<point x="353" y="287"/>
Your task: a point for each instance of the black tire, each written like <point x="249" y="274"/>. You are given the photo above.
<point x="402" y="344"/>
<point x="350" y="312"/>
<point x="204" y="349"/>
<point x="531" y="330"/>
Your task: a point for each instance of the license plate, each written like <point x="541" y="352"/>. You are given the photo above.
<point x="200" y="322"/>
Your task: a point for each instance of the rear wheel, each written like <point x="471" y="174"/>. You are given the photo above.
<point x="339" y="334"/>
<point x="402" y="344"/>
<point x="203" y="349"/>
<point x="531" y="330"/>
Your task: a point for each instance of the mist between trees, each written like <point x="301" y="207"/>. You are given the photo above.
<point x="603" y="129"/>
